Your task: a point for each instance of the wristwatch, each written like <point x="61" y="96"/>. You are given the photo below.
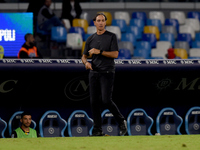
<point x="101" y="51"/>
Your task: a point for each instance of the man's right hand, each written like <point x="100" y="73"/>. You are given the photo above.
<point x="88" y="66"/>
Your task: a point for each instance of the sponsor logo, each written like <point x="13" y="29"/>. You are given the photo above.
<point x="138" y="128"/>
<point x="77" y="89"/>
<point x="168" y="113"/>
<point x="167" y="127"/>
<point x="52" y="116"/>
<point x="9" y="61"/>
<point x="138" y="114"/>
<point x="108" y="115"/>
<point x="109" y="129"/>
<point x="79" y="116"/>
<point x="164" y="83"/>
<point x="119" y="62"/>
<point x="45" y="61"/>
<point x="79" y="130"/>
<point x="136" y="62"/>
<point x="196" y="126"/>
<point x="195" y="112"/>
<point x="63" y="61"/>
<point x="29" y="61"/>
<point x="187" y="62"/>
<point x="51" y="130"/>
<point x="169" y="62"/>
<point x="7" y="35"/>
<point x="152" y="62"/>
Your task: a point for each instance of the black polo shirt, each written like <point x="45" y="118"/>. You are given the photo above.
<point x="106" y="42"/>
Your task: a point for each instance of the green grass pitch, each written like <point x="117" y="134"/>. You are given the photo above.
<point x="164" y="142"/>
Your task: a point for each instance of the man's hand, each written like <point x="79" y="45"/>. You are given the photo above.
<point x="88" y="66"/>
<point x="94" y="51"/>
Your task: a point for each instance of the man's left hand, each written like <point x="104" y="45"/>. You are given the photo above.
<point x="94" y="51"/>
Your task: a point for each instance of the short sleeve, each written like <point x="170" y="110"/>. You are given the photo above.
<point x="86" y="49"/>
<point x="114" y="44"/>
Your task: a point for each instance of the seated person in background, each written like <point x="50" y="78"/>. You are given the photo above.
<point x="46" y="18"/>
<point x="71" y="9"/>
<point x="28" y="50"/>
<point x="25" y="131"/>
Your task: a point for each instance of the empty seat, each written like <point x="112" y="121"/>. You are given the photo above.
<point x="129" y="37"/>
<point x="122" y="15"/>
<point x="79" y="124"/>
<point x="139" y="15"/>
<point x="196" y="44"/>
<point x="179" y="15"/>
<point x="120" y="23"/>
<point x="52" y="125"/>
<point x="150" y="38"/>
<point x="154" y="22"/>
<point x="86" y="15"/>
<point x="168" y="122"/>
<point x="78" y="30"/>
<point x="139" y="123"/>
<point x="142" y="50"/>
<point x="185" y="37"/>
<point x="193" y="14"/>
<point x="108" y="16"/>
<point x="194" y="52"/>
<point x="74" y="41"/>
<point x="194" y="23"/>
<point x="124" y="54"/>
<point x="155" y="52"/>
<point x="91" y="29"/>
<point x="135" y="30"/>
<point x="187" y="29"/>
<point x="197" y="36"/>
<point x="172" y="22"/>
<point x="137" y="22"/>
<point x="192" y="121"/>
<point x="80" y="23"/>
<point x="58" y="34"/>
<point x="182" y="53"/>
<point x="152" y="29"/>
<point x="170" y="29"/>
<point x="167" y="37"/>
<point x="157" y="15"/>
<point x="183" y="45"/>
<point x="126" y="45"/>
<point x="116" y="30"/>
<point x="163" y="45"/>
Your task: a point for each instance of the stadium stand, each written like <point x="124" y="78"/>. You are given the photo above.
<point x="168" y="122"/>
<point x="79" y="124"/>
<point x="52" y="125"/>
<point x="139" y="123"/>
<point x="192" y="121"/>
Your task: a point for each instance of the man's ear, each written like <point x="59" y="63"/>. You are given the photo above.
<point x="21" y="120"/>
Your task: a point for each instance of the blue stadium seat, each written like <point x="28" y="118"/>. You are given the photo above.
<point x="168" y="122"/>
<point x="193" y="14"/>
<point x="185" y="37"/>
<point x="14" y="122"/>
<point x="78" y="30"/>
<point x="129" y="37"/>
<point x="137" y="22"/>
<point x="59" y="34"/>
<point x="87" y="36"/>
<point x="109" y="125"/>
<point x="195" y="44"/>
<point x="154" y="22"/>
<point x="139" y="123"/>
<point x="172" y="22"/>
<point x="197" y="36"/>
<point x="3" y="126"/>
<point x="79" y="124"/>
<point x="143" y="50"/>
<point x="124" y="54"/>
<point x="150" y="38"/>
<point x="52" y="125"/>
<point x="139" y="15"/>
<point x="135" y="30"/>
<point x="120" y="23"/>
<point x="192" y="121"/>
<point x="126" y="45"/>
<point x="167" y="37"/>
<point x="91" y="23"/>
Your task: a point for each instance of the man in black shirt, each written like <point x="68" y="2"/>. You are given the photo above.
<point x="103" y="48"/>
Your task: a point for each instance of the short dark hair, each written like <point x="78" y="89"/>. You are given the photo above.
<point x="25" y="113"/>
<point x="94" y="19"/>
<point x="27" y="36"/>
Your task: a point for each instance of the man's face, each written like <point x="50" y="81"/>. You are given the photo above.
<point x="26" y="120"/>
<point x="31" y="39"/>
<point x="100" y="22"/>
<point x="48" y="3"/>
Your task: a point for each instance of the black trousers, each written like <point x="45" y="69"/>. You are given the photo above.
<point x="101" y="88"/>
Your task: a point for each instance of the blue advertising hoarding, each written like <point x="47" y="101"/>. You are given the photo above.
<point x="13" y="27"/>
